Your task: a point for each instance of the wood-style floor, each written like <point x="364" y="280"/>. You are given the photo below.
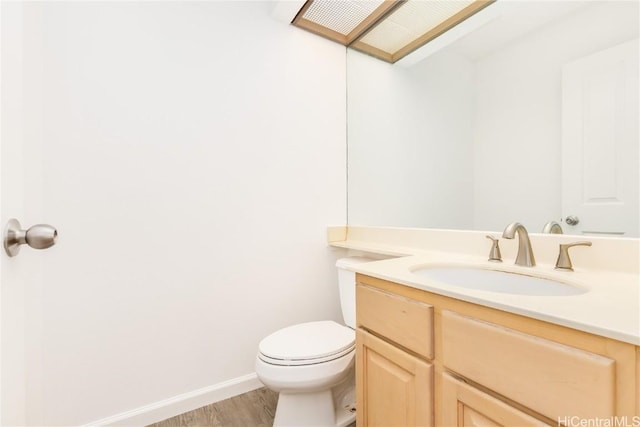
<point x="254" y="409"/>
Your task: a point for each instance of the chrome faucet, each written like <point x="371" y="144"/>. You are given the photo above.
<point x="525" y="253"/>
<point x="552" y="227"/>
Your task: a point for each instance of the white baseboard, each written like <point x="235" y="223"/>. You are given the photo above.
<point x="182" y="403"/>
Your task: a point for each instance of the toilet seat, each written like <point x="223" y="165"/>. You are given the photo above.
<point x="304" y="362"/>
<point x="307" y="344"/>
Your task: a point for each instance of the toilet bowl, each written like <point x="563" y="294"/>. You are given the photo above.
<point x="312" y="365"/>
<point x="320" y="357"/>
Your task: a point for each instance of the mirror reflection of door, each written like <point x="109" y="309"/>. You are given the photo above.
<point x="600" y="181"/>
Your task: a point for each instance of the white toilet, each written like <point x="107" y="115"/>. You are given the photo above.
<point x="312" y="364"/>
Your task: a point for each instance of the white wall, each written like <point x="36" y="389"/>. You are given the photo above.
<point x="517" y="142"/>
<point x="410" y="142"/>
<point x="191" y="155"/>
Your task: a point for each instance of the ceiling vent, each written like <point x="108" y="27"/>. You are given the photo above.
<point x="386" y="29"/>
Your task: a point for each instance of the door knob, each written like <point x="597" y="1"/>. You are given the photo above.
<point x="40" y="236"/>
<point x="572" y="220"/>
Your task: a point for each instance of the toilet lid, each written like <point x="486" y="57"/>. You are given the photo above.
<point x="307" y="343"/>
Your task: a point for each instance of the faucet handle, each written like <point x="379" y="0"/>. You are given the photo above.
<point x="564" y="261"/>
<point x="494" y="254"/>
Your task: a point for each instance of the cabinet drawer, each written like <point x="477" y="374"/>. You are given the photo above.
<point x="405" y="321"/>
<point x="552" y="379"/>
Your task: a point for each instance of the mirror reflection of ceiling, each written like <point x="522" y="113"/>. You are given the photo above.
<point x="386" y="29"/>
<point x="467" y="131"/>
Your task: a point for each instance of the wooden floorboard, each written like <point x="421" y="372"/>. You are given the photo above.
<point x="254" y="409"/>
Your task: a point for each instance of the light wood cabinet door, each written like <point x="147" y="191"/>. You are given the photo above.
<point x="466" y="406"/>
<point x="394" y="387"/>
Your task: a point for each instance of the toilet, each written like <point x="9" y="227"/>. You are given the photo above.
<point x="312" y="365"/>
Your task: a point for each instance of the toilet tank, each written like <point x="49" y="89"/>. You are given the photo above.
<point x="347" y="286"/>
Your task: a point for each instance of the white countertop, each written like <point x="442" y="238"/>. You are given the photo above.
<point x="610" y="308"/>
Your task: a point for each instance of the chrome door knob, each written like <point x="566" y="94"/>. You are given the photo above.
<point x="40" y="236"/>
<point x="572" y="220"/>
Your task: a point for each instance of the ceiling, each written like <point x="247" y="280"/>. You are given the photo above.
<point x="386" y="29"/>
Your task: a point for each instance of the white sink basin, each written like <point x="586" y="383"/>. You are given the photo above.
<point x="498" y="281"/>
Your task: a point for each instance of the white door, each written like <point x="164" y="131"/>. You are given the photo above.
<point x="12" y="291"/>
<point x="19" y="313"/>
<point x="600" y="181"/>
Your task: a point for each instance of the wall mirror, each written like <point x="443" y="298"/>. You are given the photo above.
<point x="527" y="112"/>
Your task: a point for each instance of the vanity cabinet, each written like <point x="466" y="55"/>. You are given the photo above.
<point x="395" y="387"/>
<point x="637" y="380"/>
<point x="466" y="406"/>
<point x="553" y="379"/>
<point x="481" y="366"/>
<point x="395" y="377"/>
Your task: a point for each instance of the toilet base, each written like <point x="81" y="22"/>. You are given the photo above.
<point x="328" y="408"/>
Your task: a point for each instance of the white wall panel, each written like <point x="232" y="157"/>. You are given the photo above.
<point x="191" y="155"/>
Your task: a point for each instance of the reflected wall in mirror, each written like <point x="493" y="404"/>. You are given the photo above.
<point x="482" y="132"/>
